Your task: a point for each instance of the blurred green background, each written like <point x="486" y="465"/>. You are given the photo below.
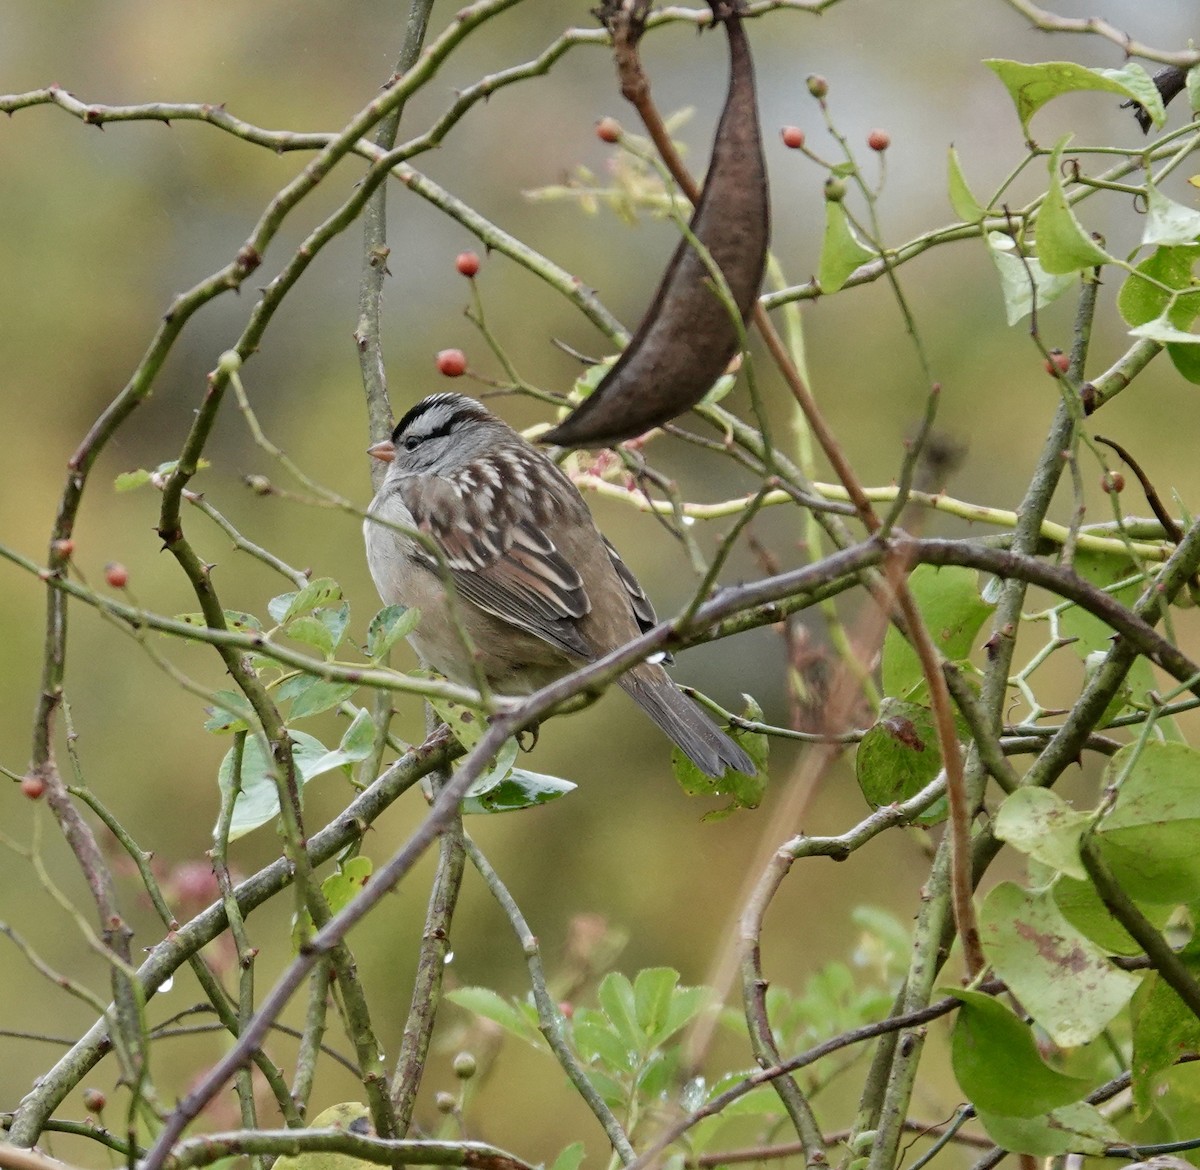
<point x="102" y="228"/>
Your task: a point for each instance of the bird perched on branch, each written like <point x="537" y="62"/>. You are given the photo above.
<point x="536" y="588"/>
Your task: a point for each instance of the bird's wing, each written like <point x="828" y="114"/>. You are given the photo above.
<point x="643" y="610"/>
<point x="501" y="559"/>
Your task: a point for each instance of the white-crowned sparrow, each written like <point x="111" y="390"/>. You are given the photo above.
<point x="539" y="590"/>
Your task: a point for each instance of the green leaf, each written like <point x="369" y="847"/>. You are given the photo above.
<point x="258" y="801"/>
<point x="320" y="696"/>
<point x="953" y="611"/>
<point x="127" y="481"/>
<point x="595" y="1040"/>
<point x="1032" y="86"/>
<point x="1168" y="222"/>
<point x="997" y="1065"/>
<point x="350" y="1116"/>
<point x="571" y="1157"/>
<point x="316" y="593"/>
<point x="235" y="619"/>
<point x="1149" y="838"/>
<point x="516" y="790"/>
<point x="387" y="627"/>
<point x="965" y="205"/>
<point x="1062" y="244"/>
<point x="351" y="878"/>
<point x="841" y="250"/>
<point x="310" y="630"/>
<point x="1163" y="1030"/>
<point x="898" y="756"/>
<point x="468" y="725"/>
<point x="1093" y="634"/>
<point x="719" y="390"/>
<point x="359" y="739"/>
<point x="339" y="889"/>
<point x="1082" y="907"/>
<point x="1193" y="88"/>
<point x="1040" y="823"/>
<point x="230" y="712"/>
<point x="745" y="791"/>
<point x="591" y="377"/>
<point x="1165" y="332"/>
<point x="335" y="618"/>
<point x="486" y="1003"/>
<point x="654" y="1078"/>
<point x="1166" y="314"/>
<point x="1060" y="977"/>
<point x="1073" y="1129"/>
<point x="1141" y="298"/>
<point x="686" y="1004"/>
<point x="652" y="990"/>
<point x="616" y="997"/>
<point x="1024" y="283"/>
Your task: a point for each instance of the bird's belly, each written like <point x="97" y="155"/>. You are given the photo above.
<point x="525" y="665"/>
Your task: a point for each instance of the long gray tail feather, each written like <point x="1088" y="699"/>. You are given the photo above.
<point x="697" y="736"/>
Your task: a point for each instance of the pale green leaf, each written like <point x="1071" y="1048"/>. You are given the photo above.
<point x="841" y="250"/>
<point x="387" y="627"/>
<point x="1168" y="222"/>
<point x="1072" y="1129"/>
<point x="320" y="696"/>
<point x="1149" y="838"/>
<point x="350" y="1116"/>
<point x="965" y="205"/>
<point x="127" y="481"/>
<point x="1063" y="246"/>
<point x="486" y="1003"/>
<point x="1065" y="982"/>
<point x="1024" y="283"/>
<point x="1040" y="823"/>
<point x="310" y="630"/>
<point x="1032" y="86"/>
<point x="571" y="1157"/>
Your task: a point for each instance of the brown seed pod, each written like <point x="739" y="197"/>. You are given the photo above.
<point x="688" y="337"/>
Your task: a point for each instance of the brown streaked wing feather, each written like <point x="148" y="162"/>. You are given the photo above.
<point x="643" y="610"/>
<point x="508" y="568"/>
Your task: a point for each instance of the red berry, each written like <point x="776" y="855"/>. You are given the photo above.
<point x="879" y="140"/>
<point x="1057" y="363"/>
<point x="467" y="263"/>
<point x="94" y="1100"/>
<point x="1112" y="482"/>
<point x="608" y="130"/>
<point x="116" y="574"/>
<point x="452" y="363"/>
<point x="567" y="1008"/>
<point x="64" y="548"/>
<point x="33" y="786"/>
<point x="793" y="137"/>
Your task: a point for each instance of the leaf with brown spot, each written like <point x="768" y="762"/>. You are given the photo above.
<point x="1060" y="976"/>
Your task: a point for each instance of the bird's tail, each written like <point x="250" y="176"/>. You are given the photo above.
<point x="697" y="736"/>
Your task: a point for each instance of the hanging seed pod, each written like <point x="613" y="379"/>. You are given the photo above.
<point x="688" y="335"/>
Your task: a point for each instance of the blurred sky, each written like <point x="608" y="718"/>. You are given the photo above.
<point x="102" y="228"/>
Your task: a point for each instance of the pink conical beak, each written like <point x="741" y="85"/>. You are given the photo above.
<point x="384" y="451"/>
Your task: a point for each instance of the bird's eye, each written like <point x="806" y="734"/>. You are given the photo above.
<point x="411" y="443"/>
